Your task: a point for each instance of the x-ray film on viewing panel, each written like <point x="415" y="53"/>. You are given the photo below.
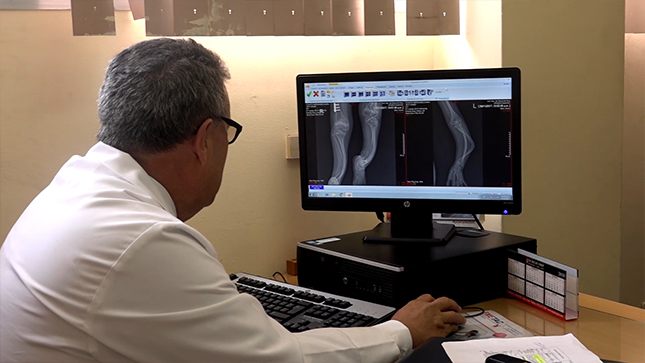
<point x="93" y="17"/>
<point x="410" y="143"/>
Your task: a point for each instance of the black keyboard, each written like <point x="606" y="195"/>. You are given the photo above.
<point x="299" y="309"/>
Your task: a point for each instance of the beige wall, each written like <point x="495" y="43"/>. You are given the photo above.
<point x="479" y="43"/>
<point x="50" y="80"/>
<point x="571" y="55"/>
<point x="632" y="259"/>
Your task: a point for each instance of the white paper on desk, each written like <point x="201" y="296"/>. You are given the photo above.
<point x="490" y="324"/>
<point x="549" y="349"/>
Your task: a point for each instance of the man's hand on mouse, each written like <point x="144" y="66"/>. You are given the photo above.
<point x="427" y="317"/>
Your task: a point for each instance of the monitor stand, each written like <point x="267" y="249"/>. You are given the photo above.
<point x="407" y="227"/>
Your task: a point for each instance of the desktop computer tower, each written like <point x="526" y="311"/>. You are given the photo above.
<point x="466" y="269"/>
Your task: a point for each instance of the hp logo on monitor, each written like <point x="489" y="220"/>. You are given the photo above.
<point x="406" y="204"/>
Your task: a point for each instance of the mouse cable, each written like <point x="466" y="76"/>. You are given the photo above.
<point x="281" y="275"/>
<point x="479" y="311"/>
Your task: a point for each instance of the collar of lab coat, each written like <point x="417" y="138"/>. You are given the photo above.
<point x="127" y="168"/>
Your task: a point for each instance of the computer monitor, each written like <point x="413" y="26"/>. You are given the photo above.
<point x="411" y="143"/>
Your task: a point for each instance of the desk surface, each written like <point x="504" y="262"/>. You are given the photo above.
<point x="613" y="331"/>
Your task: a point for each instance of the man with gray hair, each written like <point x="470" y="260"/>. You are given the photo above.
<point x="113" y="274"/>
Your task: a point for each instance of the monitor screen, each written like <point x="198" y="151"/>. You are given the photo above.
<point x="442" y="141"/>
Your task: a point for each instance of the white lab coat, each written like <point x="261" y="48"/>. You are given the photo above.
<point x="99" y="269"/>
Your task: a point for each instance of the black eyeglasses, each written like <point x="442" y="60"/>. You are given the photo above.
<point x="233" y="130"/>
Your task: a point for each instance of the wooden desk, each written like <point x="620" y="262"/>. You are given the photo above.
<point x="611" y="330"/>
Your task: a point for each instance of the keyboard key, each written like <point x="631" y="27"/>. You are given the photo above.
<point x="296" y="309"/>
<point x="280" y="289"/>
<point x="309" y="296"/>
<point x="279" y="316"/>
<point x="251" y="282"/>
<point x="338" y="303"/>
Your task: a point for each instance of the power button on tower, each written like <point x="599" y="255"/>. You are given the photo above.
<point x="345" y="280"/>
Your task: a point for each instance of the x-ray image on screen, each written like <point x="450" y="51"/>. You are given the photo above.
<point x="342" y="121"/>
<point x="438" y="145"/>
<point x="464" y="144"/>
<point x="349" y="141"/>
<point x="429" y="143"/>
<point x="455" y="143"/>
<point x="457" y="159"/>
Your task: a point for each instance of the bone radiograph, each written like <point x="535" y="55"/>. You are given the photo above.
<point x="464" y="144"/>
<point x="341" y="128"/>
<point x="370" y="114"/>
<point x="445" y="147"/>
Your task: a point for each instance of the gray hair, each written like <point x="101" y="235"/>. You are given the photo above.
<point x="156" y="93"/>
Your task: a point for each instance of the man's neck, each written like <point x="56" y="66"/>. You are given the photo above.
<point x="174" y="171"/>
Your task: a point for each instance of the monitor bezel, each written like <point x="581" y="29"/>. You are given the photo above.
<point x="410" y="205"/>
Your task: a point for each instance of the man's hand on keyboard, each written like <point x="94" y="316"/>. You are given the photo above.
<point x="428" y="317"/>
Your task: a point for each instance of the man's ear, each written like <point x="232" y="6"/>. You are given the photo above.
<point x="200" y="141"/>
